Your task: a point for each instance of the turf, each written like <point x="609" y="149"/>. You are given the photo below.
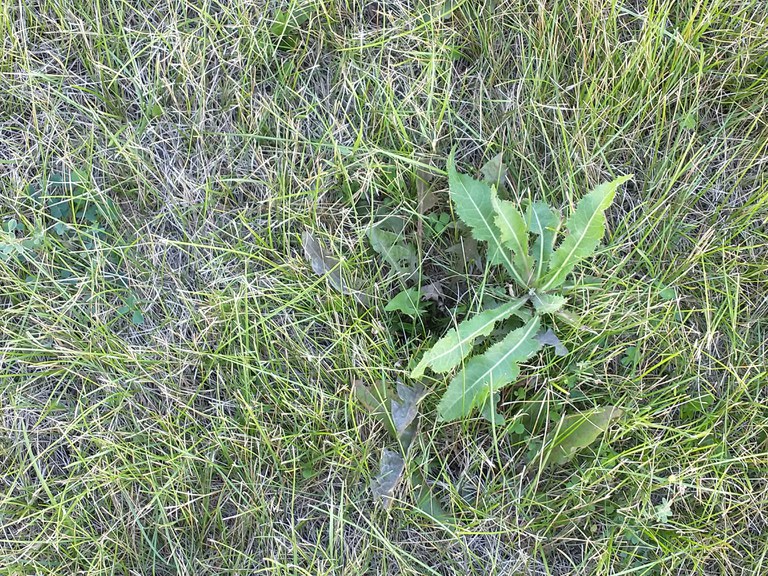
<point x="176" y="390"/>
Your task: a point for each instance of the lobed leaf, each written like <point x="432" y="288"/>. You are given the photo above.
<point x="474" y="206"/>
<point x="451" y="349"/>
<point x="586" y="227"/>
<point x="514" y="233"/>
<point x="489" y="372"/>
<point x="547" y="303"/>
<point x="543" y="222"/>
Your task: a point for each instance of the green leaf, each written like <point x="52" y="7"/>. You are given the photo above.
<point x="286" y="26"/>
<point x="585" y="230"/>
<point x="547" y="303"/>
<point x="137" y="318"/>
<point x="577" y="431"/>
<point x="495" y="172"/>
<point x="488" y="410"/>
<point x="535" y="413"/>
<point x="543" y="222"/>
<point x="514" y="233"/>
<point x="663" y="511"/>
<point x="406" y="301"/>
<point x="475" y="207"/>
<point x="489" y="372"/>
<point x="426" y="501"/>
<point x="400" y="255"/>
<point x="451" y="349"/>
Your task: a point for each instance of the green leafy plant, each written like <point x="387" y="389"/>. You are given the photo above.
<point x="538" y="257"/>
<point x="132" y="308"/>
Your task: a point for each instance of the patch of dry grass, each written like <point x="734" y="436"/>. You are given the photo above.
<point x="220" y="436"/>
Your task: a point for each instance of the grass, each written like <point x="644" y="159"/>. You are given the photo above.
<point x="220" y="436"/>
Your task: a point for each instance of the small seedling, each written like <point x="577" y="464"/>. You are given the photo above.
<point x="407" y="302"/>
<point x="131" y="308"/>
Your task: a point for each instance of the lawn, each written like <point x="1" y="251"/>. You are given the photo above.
<point x="177" y="383"/>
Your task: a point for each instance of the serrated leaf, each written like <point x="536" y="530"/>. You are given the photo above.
<point x="391" y="469"/>
<point x="451" y="349"/>
<point x="489" y="372"/>
<point x="514" y="233"/>
<point x="474" y="206"/>
<point x="549" y="338"/>
<point x="543" y="222"/>
<point x="406" y="301"/>
<point x="586" y="227"/>
<point x="577" y="431"/>
<point x="495" y="172"/>
<point x="547" y="303"/>
<point x="400" y="255"/>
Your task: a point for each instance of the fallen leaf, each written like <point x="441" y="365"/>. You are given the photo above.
<point x="405" y="411"/>
<point x="425" y="195"/>
<point x="323" y="264"/>
<point x="495" y="172"/>
<point x="432" y="291"/>
<point x="391" y="469"/>
<point x="549" y="338"/>
<point x="374" y="399"/>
